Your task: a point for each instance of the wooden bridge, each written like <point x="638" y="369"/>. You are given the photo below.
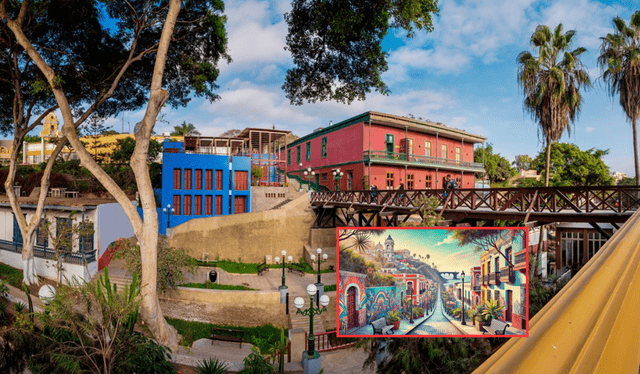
<point x="594" y="204"/>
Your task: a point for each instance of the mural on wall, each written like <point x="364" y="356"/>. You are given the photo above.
<point x="380" y="300"/>
<point x="346" y="280"/>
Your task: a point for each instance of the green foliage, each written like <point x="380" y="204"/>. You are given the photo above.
<point x="262" y="336"/>
<point x="540" y="293"/>
<point x="337" y="49"/>
<point x="330" y="288"/>
<point x="171" y="262"/>
<point x="4" y="314"/>
<point x="497" y="167"/>
<point x="427" y="211"/>
<point x="570" y="166"/>
<point x="184" y="129"/>
<point x="350" y="261"/>
<point x="522" y="162"/>
<point x="11" y="275"/>
<point x="124" y="150"/>
<point x="32" y="139"/>
<point x="492" y="310"/>
<point x="256" y="363"/>
<point x="214" y="286"/>
<point x="393" y="316"/>
<point x="212" y="366"/>
<point x="256" y="173"/>
<point x="626" y="181"/>
<point x="141" y="355"/>
<point x="4" y="290"/>
<point x="19" y="306"/>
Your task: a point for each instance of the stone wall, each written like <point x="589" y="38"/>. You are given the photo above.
<point x="248" y="236"/>
<point x="238" y="308"/>
<point x="265" y="198"/>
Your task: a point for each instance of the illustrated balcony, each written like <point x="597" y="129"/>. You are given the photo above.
<point x="494" y="278"/>
<point x="417" y="160"/>
<point x="507" y="275"/>
<point x="485" y="280"/>
<point x="476" y="288"/>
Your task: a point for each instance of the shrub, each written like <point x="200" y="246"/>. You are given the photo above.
<point x="212" y="366"/>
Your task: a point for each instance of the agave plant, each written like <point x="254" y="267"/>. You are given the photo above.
<point x="19" y="306"/>
<point x="212" y="366"/>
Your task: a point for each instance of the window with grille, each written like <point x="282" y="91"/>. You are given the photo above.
<point x="427" y="181"/>
<point x="242" y="180"/>
<point x="410" y="181"/>
<point x="42" y="234"/>
<point x="198" y="179"/>
<point x="85" y="241"/>
<point x="444" y="151"/>
<point x="208" y="179"/>
<point x="427" y="149"/>
<point x="197" y="205"/>
<point x="324" y="147"/>
<point x="218" y="205"/>
<point x="595" y="241"/>
<point x="177" y="179"/>
<point x="298" y="150"/>
<point x="64" y="234"/>
<point x="187" y="205"/>
<point x="308" y="151"/>
<point x="187" y="179"/>
<point x="389" y="181"/>
<point x="458" y="154"/>
<point x="176" y="205"/>
<point x="218" y="179"/>
<point x="288" y="157"/>
<point x="208" y="205"/>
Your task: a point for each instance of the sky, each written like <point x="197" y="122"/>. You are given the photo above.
<point x="462" y="74"/>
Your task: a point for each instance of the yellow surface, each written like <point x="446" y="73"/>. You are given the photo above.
<point x="592" y="325"/>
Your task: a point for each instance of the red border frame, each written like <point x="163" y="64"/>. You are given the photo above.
<point x="428" y="228"/>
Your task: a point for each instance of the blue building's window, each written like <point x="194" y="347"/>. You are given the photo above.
<point x="289" y="157"/>
<point x="187" y="179"/>
<point x="298" y="154"/>
<point x="208" y="205"/>
<point x="176" y="205"/>
<point x="187" y="205"/>
<point x="177" y="179"/>
<point x="197" y="205"/>
<point x="218" y="205"/>
<point x="218" y="179"/>
<point x="209" y="179"/>
<point x="308" y="151"/>
<point x="324" y="147"/>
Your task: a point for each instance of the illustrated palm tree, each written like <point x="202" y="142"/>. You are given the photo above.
<point x="184" y="129"/>
<point x="620" y="60"/>
<point x="551" y="83"/>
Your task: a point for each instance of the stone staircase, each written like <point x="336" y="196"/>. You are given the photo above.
<point x="280" y="205"/>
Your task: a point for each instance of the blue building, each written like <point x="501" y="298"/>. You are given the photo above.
<point x="198" y="185"/>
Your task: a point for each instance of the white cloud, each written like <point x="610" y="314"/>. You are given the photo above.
<point x="589" y="129"/>
<point x="448" y="240"/>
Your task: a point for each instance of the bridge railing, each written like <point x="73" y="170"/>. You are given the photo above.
<point x="588" y="199"/>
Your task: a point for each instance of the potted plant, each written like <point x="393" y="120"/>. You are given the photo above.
<point x="492" y="310"/>
<point x="418" y="312"/>
<point x="393" y="316"/>
<point x="457" y="312"/>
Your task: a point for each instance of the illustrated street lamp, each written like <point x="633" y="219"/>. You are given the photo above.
<point x="337" y="175"/>
<point x="283" y="289"/>
<point x="309" y="174"/>
<point x="322" y="258"/>
<point x="311" y="358"/>
<point x="463" y="321"/>
<point x="411" y="305"/>
<point x="169" y="210"/>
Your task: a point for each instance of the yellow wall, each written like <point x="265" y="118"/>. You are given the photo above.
<point x="248" y="236"/>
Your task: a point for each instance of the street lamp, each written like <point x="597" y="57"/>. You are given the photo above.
<point x="283" y="253"/>
<point x="300" y="164"/>
<point x="311" y="353"/>
<point x="169" y="210"/>
<point x="320" y="260"/>
<point x="463" y="321"/>
<point x="337" y="175"/>
<point x="411" y="305"/>
<point x="309" y="174"/>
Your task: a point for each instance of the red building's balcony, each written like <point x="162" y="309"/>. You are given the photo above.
<point x="413" y="159"/>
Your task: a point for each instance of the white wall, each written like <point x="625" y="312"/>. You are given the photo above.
<point x="47" y="268"/>
<point x="111" y="223"/>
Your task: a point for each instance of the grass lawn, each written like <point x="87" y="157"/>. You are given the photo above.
<point x="11" y="275"/>
<point x="251" y="268"/>
<point x="262" y="336"/>
<point x="329" y="288"/>
<point x="215" y="286"/>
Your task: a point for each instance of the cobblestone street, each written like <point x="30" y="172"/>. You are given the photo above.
<point x="437" y="324"/>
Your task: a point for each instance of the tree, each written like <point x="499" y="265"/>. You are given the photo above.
<point x="522" y="162"/>
<point x="230" y="133"/>
<point x="626" y="181"/>
<point x="570" y="166"/>
<point x="125" y="147"/>
<point x="620" y="59"/>
<point x="497" y="167"/>
<point x="95" y="129"/>
<point x="552" y="87"/>
<point x="336" y="45"/>
<point x="482" y="239"/>
<point x="184" y="129"/>
<point x="199" y="42"/>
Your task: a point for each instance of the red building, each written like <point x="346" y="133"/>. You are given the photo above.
<point x="385" y="151"/>
<point x="476" y="281"/>
<point x="415" y="282"/>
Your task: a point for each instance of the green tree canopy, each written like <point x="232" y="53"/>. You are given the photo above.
<point x="124" y="150"/>
<point x="497" y="167"/>
<point x="570" y="166"/>
<point x="184" y="129"/>
<point x="336" y="45"/>
<point x="522" y="162"/>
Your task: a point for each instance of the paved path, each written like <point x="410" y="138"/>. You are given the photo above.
<point x="437" y="324"/>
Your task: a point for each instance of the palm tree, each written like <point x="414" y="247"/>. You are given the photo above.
<point x="551" y="83"/>
<point x="620" y="60"/>
<point x="184" y="130"/>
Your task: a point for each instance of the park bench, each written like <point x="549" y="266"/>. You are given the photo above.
<point x="262" y="268"/>
<point x="215" y="331"/>
<point x="380" y="327"/>
<point x="296" y="268"/>
<point x="497" y="327"/>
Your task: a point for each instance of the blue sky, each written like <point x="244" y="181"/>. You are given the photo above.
<point x="439" y="244"/>
<point x="463" y="74"/>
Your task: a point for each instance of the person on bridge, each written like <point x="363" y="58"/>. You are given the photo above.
<point x="450" y="184"/>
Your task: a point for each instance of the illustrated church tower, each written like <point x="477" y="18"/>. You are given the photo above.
<point x="388" y="249"/>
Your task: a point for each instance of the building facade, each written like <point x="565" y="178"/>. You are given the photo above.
<point x="386" y="151"/>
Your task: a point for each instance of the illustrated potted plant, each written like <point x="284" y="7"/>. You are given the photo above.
<point x="418" y="312"/>
<point x="393" y="316"/>
<point x="457" y="312"/>
<point x="492" y="310"/>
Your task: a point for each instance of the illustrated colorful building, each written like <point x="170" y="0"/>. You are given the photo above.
<point x="351" y="301"/>
<point x="386" y="151"/>
<point x="415" y="282"/>
<point x="501" y="280"/>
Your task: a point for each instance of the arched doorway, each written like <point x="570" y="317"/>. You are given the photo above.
<point x="352" y="313"/>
